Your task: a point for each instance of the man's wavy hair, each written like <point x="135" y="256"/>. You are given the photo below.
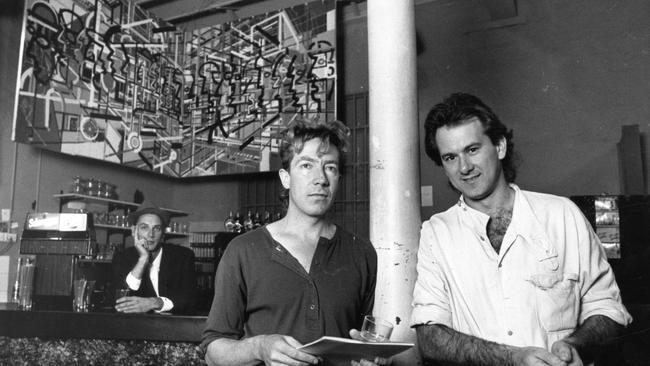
<point x="333" y="133"/>
<point x="459" y="108"/>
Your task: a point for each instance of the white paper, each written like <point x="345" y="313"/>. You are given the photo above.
<point x="340" y="351"/>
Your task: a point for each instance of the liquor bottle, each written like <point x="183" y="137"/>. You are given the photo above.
<point x="248" y="222"/>
<point x="230" y="223"/>
<point x="238" y="225"/>
<point x="256" y="220"/>
<point x="267" y="218"/>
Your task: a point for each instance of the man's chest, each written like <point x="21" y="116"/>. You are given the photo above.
<point x="529" y="282"/>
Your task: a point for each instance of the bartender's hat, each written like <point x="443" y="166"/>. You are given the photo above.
<point x="148" y="207"/>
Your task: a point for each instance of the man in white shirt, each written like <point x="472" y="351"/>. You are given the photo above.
<point x="160" y="277"/>
<point x="505" y="277"/>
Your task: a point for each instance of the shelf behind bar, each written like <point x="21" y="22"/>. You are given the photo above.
<point x="67" y="197"/>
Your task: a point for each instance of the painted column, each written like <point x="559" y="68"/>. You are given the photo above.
<point x="394" y="158"/>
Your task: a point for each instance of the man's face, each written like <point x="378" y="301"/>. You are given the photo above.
<point x="472" y="163"/>
<point x="149" y="227"/>
<point x="312" y="179"/>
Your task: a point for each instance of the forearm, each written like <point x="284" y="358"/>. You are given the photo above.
<point x="440" y="343"/>
<point x="138" y="269"/>
<point x="595" y="332"/>
<point x="231" y="352"/>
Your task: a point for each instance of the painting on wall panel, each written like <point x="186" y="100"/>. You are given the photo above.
<point x="106" y="80"/>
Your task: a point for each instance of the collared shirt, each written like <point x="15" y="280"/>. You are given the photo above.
<point x="550" y="275"/>
<point x="134" y="283"/>
<point x="260" y="288"/>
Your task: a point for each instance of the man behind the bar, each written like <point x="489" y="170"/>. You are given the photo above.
<point x="161" y="277"/>
<point x="505" y="276"/>
<point x="299" y="278"/>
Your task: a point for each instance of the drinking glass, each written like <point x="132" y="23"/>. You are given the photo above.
<point x="25" y="283"/>
<point x="121" y="292"/>
<point x="376" y="329"/>
<point x="90" y="289"/>
<point x="79" y="299"/>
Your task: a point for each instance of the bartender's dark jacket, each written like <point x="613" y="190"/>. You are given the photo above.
<point x="176" y="278"/>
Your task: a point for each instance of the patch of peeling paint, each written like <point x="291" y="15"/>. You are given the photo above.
<point x="378" y="165"/>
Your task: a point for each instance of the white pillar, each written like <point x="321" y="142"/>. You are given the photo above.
<point x="394" y="158"/>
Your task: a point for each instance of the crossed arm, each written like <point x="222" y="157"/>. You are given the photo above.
<point x="442" y="344"/>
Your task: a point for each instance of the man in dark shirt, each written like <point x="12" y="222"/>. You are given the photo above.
<point x="160" y="276"/>
<point x="298" y="278"/>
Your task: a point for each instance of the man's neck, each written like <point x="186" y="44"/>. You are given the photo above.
<point x="502" y="198"/>
<point x="300" y="234"/>
<point x="305" y="226"/>
<point x="154" y="254"/>
<point x="498" y="206"/>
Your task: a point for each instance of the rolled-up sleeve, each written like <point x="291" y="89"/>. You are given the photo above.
<point x="600" y="294"/>
<point x="430" y="294"/>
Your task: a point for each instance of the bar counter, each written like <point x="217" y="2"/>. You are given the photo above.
<point x="55" y="337"/>
<point x="99" y="325"/>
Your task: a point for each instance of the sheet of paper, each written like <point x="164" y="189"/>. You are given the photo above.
<point x="337" y="351"/>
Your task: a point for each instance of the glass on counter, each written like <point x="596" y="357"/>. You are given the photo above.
<point x="24" y="286"/>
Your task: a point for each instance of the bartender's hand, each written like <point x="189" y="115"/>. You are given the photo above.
<point x="140" y="244"/>
<point x="378" y="361"/>
<point x="136" y="304"/>
<point x="535" y="356"/>
<point x="567" y="352"/>
<point x="275" y="349"/>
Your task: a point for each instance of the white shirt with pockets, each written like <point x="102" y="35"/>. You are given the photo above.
<point x="550" y="275"/>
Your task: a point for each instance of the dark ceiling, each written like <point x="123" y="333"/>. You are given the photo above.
<point x="194" y="14"/>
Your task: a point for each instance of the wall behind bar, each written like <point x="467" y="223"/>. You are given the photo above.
<point x="565" y="79"/>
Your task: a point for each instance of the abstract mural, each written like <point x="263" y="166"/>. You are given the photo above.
<point x="106" y="80"/>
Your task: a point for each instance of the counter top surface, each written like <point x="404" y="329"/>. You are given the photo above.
<point x="98" y="325"/>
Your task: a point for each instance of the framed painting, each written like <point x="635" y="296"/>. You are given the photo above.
<point x="105" y="79"/>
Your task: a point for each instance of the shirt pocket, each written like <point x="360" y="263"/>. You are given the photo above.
<point x="556" y="295"/>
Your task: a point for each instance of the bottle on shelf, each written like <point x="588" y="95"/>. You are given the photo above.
<point x="230" y="223"/>
<point x="267" y="218"/>
<point x="238" y="227"/>
<point x="256" y="220"/>
<point x="248" y="222"/>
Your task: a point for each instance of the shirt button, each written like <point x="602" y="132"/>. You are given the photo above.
<point x="482" y="238"/>
<point x="312" y="307"/>
<point x="509" y="332"/>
